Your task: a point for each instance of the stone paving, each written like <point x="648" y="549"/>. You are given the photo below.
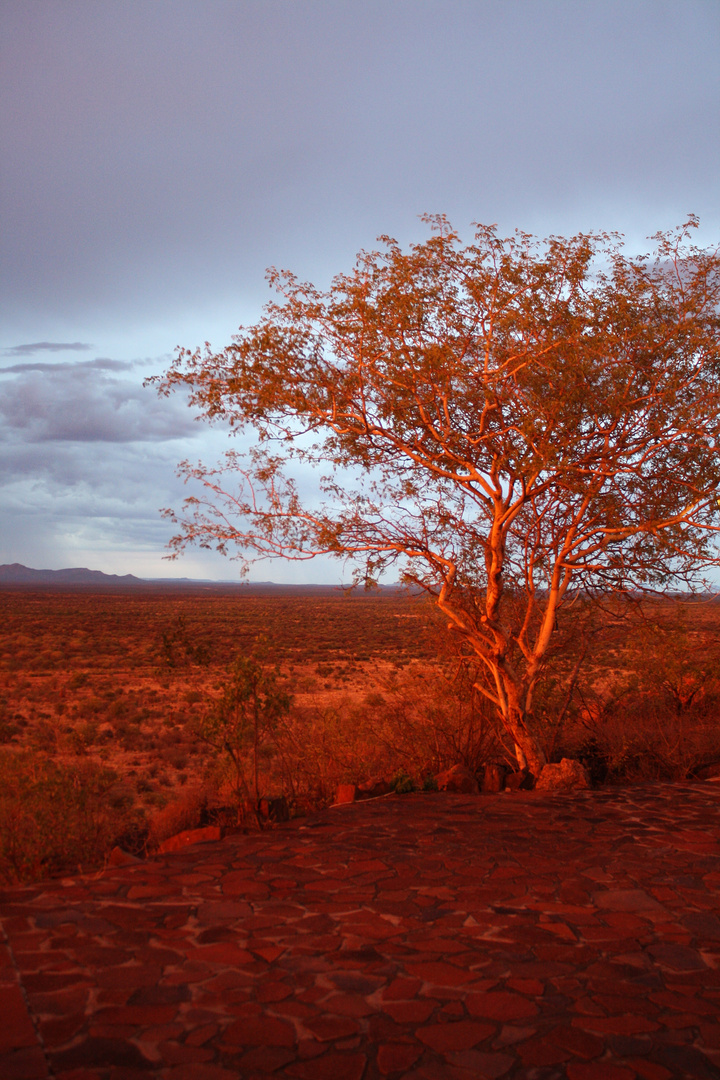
<point x="420" y="936"/>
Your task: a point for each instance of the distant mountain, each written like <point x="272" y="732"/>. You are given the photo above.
<point x="17" y="574"/>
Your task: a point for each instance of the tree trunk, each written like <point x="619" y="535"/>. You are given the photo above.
<point x="527" y="748"/>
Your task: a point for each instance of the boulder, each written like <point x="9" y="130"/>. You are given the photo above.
<point x="118" y="857"/>
<point x="346" y="793"/>
<point x="493" y="779"/>
<point x="520" y="780"/>
<point x="458" y="779"/>
<point x="709" y="772"/>
<point x="274" y="809"/>
<point x="568" y="775"/>
<point x="372" y="789"/>
<point x="190" y="836"/>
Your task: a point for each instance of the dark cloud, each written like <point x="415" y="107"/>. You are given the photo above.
<point x="124" y="477"/>
<point x="74" y="507"/>
<point x="99" y="364"/>
<point x="47" y="346"/>
<point x="81" y="403"/>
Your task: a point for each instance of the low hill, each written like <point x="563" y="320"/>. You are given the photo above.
<point x="17" y="574"/>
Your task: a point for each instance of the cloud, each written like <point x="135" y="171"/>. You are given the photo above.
<point x="70" y="504"/>
<point x="85" y="403"/>
<point x="100" y="363"/>
<point x="47" y="346"/>
<point x="88" y="457"/>
<point x="110" y="496"/>
<point x="108" y="482"/>
<point x="100" y="509"/>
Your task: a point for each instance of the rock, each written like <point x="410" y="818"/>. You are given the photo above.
<point x="709" y="772"/>
<point x="190" y="836"/>
<point x="118" y="857"/>
<point x="520" y="780"/>
<point x="346" y="793"/>
<point x="274" y="809"/>
<point x="493" y="779"/>
<point x="372" y="789"/>
<point x="459" y="779"/>
<point x="568" y="775"/>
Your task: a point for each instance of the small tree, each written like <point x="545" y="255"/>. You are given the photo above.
<point x="510" y="424"/>
<point x="243" y="719"/>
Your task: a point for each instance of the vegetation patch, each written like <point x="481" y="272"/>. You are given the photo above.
<point x="113" y="745"/>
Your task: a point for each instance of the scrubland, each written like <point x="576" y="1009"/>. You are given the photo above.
<point x="118" y="709"/>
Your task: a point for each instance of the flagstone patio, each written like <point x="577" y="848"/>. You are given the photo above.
<point x="418" y="936"/>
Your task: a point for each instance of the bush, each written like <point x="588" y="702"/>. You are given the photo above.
<point x="430" y="720"/>
<point x="402" y="784"/>
<point x="56" y="817"/>
<point x="639" y="739"/>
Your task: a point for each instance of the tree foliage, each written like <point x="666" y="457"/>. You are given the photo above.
<point x="508" y="424"/>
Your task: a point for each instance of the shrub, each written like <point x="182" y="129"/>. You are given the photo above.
<point x="402" y="783"/>
<point x="244" y="719"/>
<point x="57" y="817"/>
<point x="430" y="721"/>
<point x="653" y="715"/>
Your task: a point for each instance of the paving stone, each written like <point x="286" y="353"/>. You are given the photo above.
<point x="56" y="1031"/>
<point x="397" y="1057"/>
<point x="347" y="1005"/>
<point x="677" y="957"/>
<point x="480" y="1065"/>
<point x="203" y="1072"/>
<point x="647" y="1070"/>
<point x="455" y="1035"/>
<point x="616" y="1025"/>
<point x="602" y="1070"/>
<point x="710" y="1035"/>
<point x="16" y="1030"/>
<point x="96" y="1052"/>
<point x="130" y="976"/>
<point x="440" y="974"/>
<point x="27" y="1063"/>
<point x="266" y="1059"/>
<point x="260" y="1031"/>
<point x="542" y="1052"/>
<point x="704" y="924"/>
<point x="175" y="1053"/>
<point x="330" y="1028"/>
<point x="136" y="1015"/>
<point x="685" y="1060"/>
<point x="331" y="1066"/>
<point x="580" y="1043"/>
<point x="409" y="1012"/>
<point x="626" y="900"/>
<point x="310" y="1048"/>
<point x="500" y="1006"/>
<point x="354" y="983"/>
<point x="444" y="937"/>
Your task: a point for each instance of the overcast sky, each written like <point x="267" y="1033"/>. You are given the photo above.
<point x="156" y="156"/>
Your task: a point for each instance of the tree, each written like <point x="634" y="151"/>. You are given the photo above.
<point x="511" y="424"/>
<point x="243" y="719"/>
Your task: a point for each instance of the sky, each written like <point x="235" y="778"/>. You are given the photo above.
<point x="157" y="157"/>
